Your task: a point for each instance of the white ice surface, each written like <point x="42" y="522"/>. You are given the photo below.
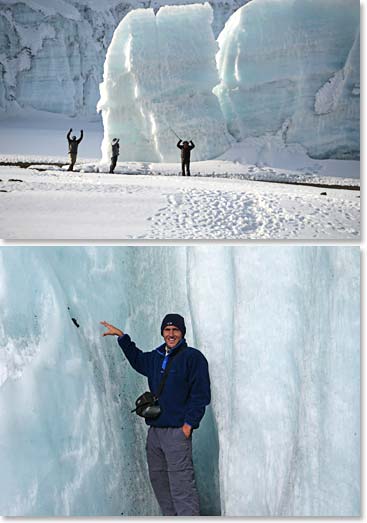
<point x="279" y="327"/>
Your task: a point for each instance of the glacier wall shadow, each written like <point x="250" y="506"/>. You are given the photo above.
<point x="279" y="327"/>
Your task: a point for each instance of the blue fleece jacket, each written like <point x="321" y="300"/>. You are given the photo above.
<point x="187" y="389"/>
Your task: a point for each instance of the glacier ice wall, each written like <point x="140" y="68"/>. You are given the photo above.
<point x="52" y="53"/>
<point x="293" y="66"/>
<point x="280" y="328"/>
<point x="158" y="79"/>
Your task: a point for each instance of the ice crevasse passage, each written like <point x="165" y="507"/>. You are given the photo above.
<point x="279" y="327"/>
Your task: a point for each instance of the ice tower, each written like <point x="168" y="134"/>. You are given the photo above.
<point x="158" y="79"/>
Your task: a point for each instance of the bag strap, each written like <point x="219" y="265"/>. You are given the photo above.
<point x="166" y="370"/>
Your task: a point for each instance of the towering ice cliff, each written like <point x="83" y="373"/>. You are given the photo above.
<point x="293" y="66"/>
<point x="52" y="52"/>
<point x="158" y="77"/>
<point x="280" y="328"/>
<point x="288" y="68"/>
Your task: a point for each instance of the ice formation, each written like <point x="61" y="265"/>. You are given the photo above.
<point x="159" y="75"/>
<point x="293" y="66"/>
<point x="52" y="52"/>
<point x="285" y="66"/>
<point x="280" y="328"/>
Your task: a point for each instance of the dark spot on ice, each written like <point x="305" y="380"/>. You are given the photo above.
<point x="14" y="180"/>
<point x="75" y="322"/>
<point x="3" y="190"/>
<point x="68" y="308"/>
<point x="323" y="194"/>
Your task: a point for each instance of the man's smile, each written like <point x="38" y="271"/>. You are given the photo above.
<point x="172" y="336"/>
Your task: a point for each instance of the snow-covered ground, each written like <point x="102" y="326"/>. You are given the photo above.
<point x="61" y="205"/>
<point x="227" y="198"/>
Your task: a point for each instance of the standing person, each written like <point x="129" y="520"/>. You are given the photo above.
<point x="183" y="400"/>
<point x="73" y="147"/>
<point x="115" y="153"/>
<point x="186" y="149"/>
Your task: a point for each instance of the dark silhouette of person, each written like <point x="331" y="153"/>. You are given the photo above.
<point x="186" y="148"/>
<point x="73" y="147"/>
<point x="115" y="153"/>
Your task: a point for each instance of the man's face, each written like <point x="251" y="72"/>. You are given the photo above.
<point x="172" y="335"/>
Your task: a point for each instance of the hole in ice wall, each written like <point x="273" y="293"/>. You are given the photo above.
<point x="75" y="322"/>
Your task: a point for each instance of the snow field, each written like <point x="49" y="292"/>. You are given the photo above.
<point x="60" y="205"/>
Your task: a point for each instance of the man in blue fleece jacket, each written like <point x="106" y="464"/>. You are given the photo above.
<point x="183" y="400"/>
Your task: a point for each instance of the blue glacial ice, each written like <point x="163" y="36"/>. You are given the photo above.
<point x="288" y="68"/>
<point x="280" y="328"/>
<point x="158" y="78"/>
<point x="293" y="66"/>
<point x="52" y="51"/>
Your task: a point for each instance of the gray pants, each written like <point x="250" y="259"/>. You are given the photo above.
<point x="171" y="471"/>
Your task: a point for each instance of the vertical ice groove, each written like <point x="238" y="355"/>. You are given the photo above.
<point x="211" y="274"/>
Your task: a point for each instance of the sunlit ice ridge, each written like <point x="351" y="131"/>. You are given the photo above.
<point x="279" y="327"/>
<point x="288" y="68"/>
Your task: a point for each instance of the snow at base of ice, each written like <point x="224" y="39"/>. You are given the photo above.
<point x="279" y="327"/>
<point x="222" y="200"/>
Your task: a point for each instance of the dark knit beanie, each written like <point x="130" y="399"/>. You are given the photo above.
<point x="176" y="320"/>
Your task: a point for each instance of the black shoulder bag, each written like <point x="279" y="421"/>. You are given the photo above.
<point x="147" y="405"/>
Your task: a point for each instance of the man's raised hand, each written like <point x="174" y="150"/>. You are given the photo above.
<point x="111" y="330"/>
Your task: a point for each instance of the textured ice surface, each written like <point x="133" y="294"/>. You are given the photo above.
<point x="293" y="65"/>
<point x="280" y="328"/>
<point x="159" y="75"/>
<point x="52" y="51"/>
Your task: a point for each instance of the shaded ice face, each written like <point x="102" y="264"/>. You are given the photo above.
<point x="172" y="336"/>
